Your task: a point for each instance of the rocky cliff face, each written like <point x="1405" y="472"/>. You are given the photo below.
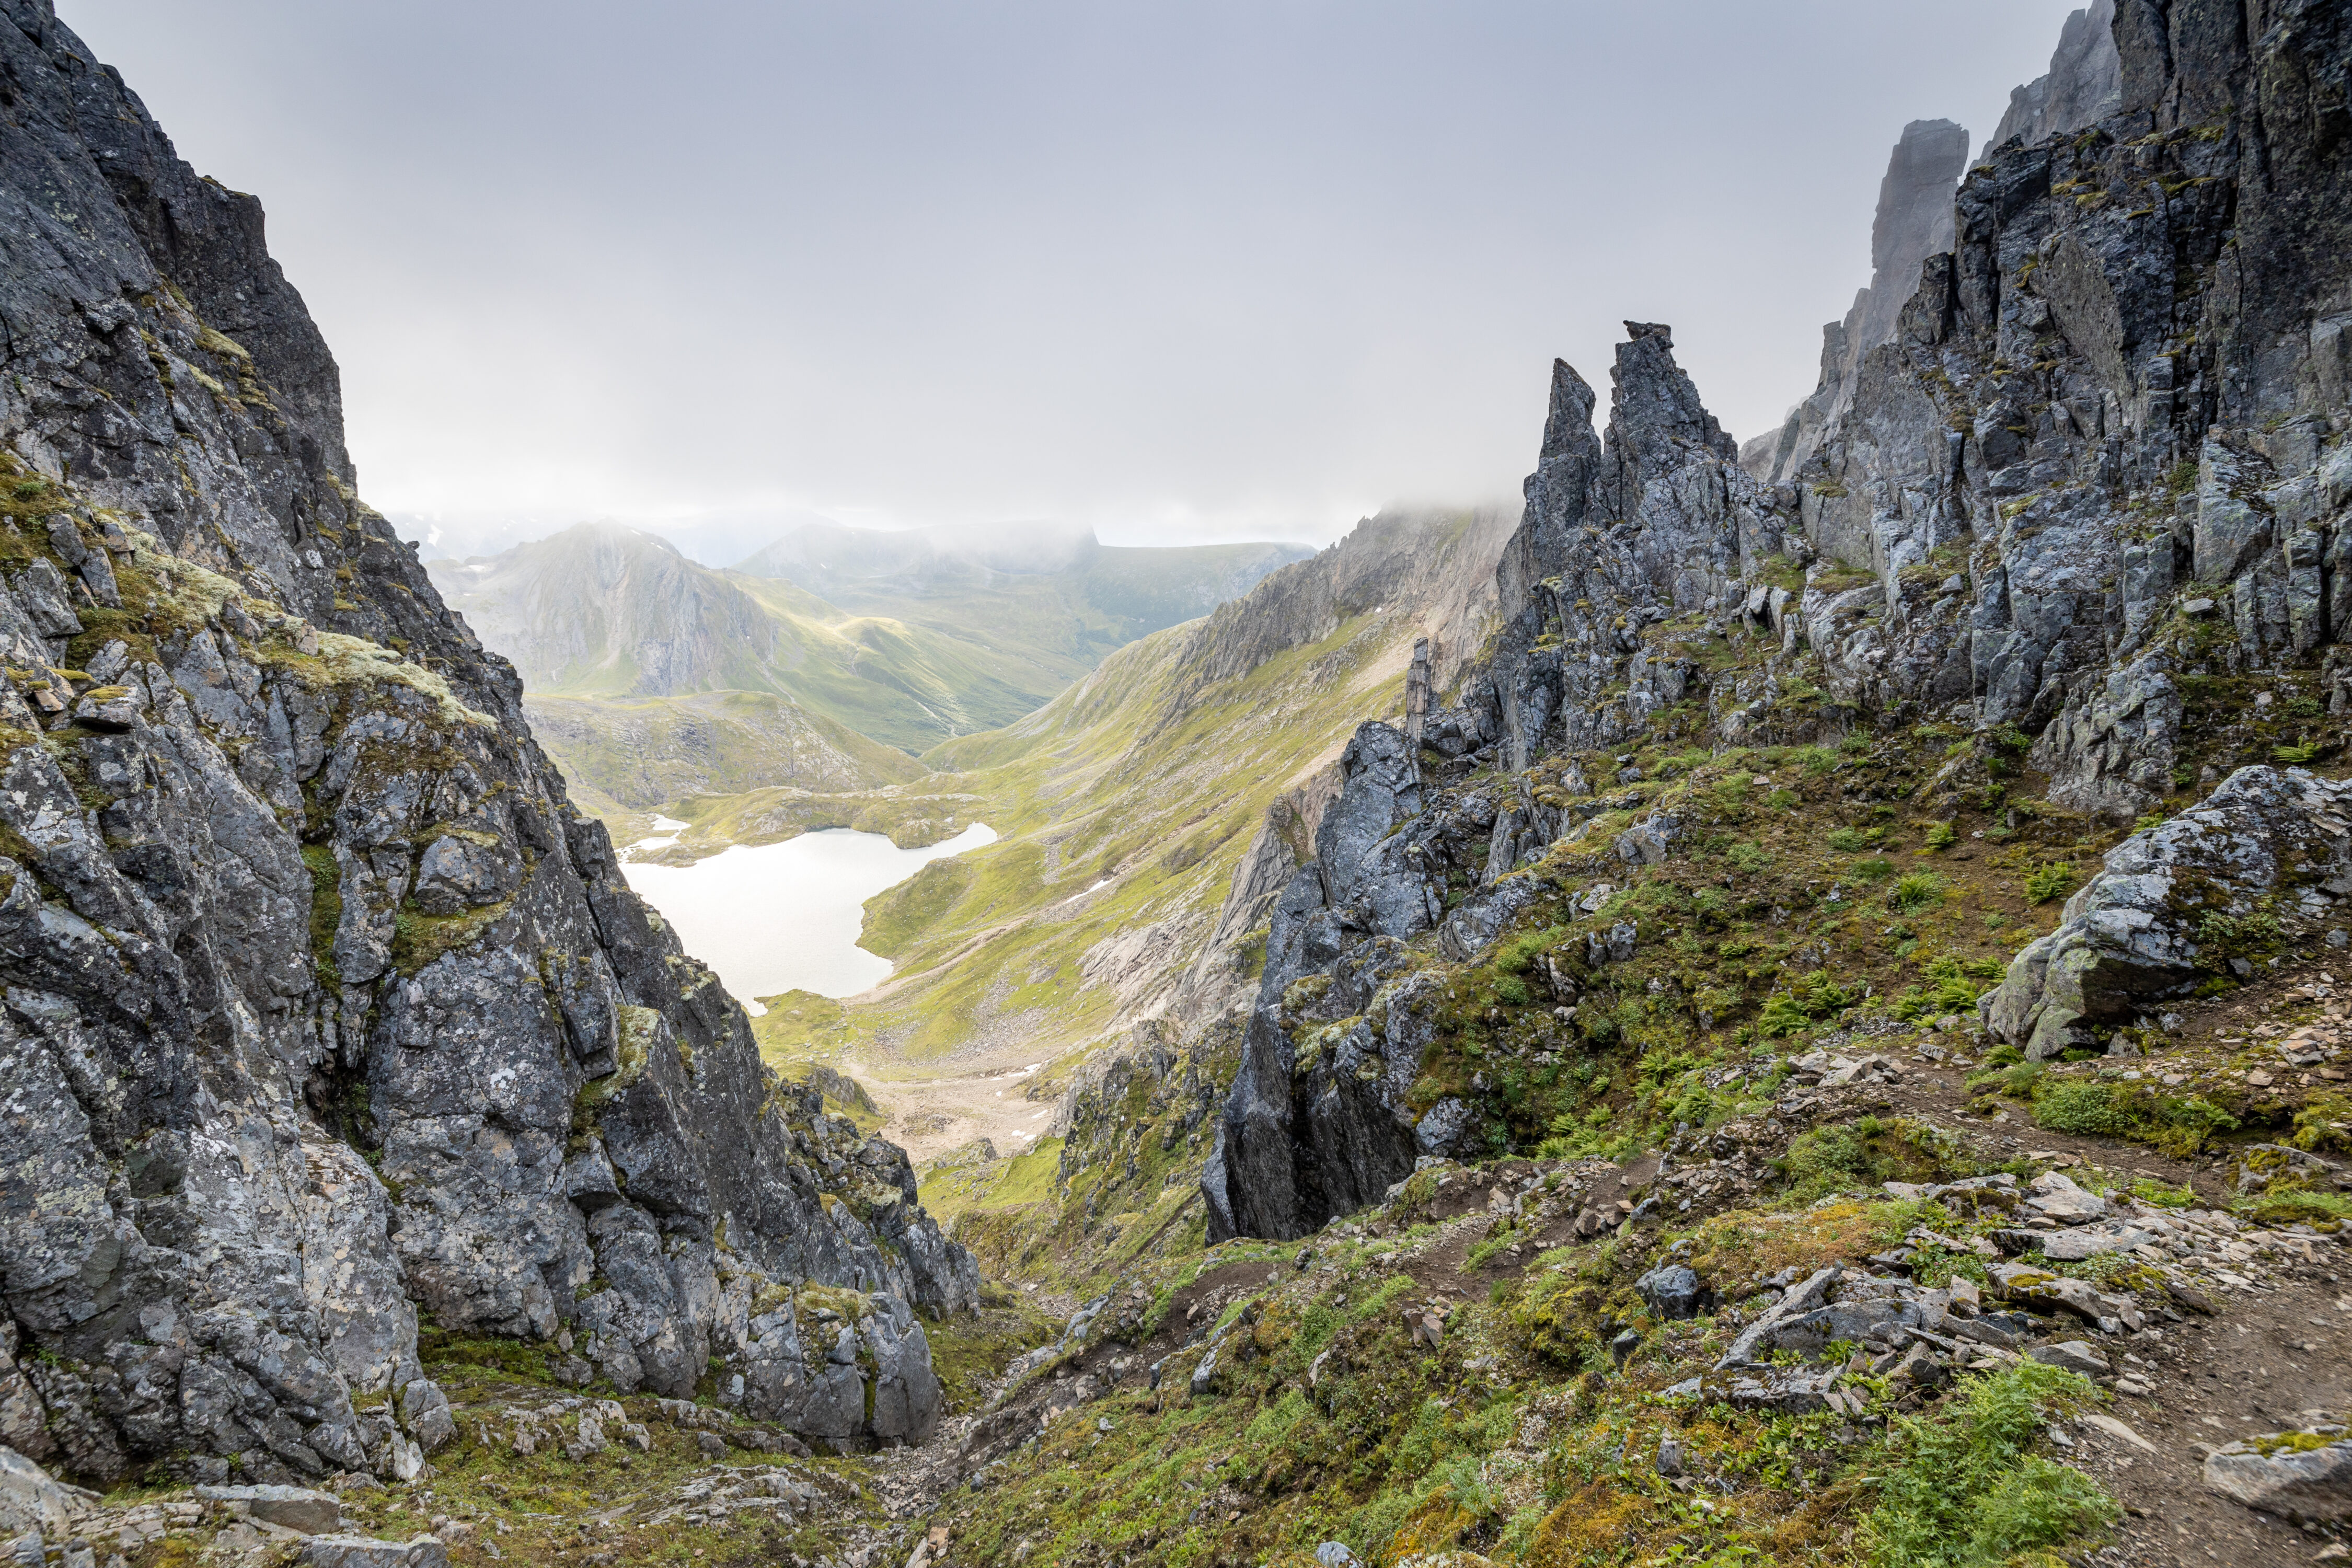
<point x="2100" y="462"/>
<point x="324" y="1009"/>
<point x="619" y="612"/>
<point x="1650" y="522"/>
<point x="1914" y="221"/>
<point x="2084" y="85"/>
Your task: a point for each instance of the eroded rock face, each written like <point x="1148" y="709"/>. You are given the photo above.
<point x="2084" y="85"/>
<point x="2267" y="854"/>
<point x="2102" y="450"/>
<point x="322" y="1000"/>
<point x="1914" y="221"/>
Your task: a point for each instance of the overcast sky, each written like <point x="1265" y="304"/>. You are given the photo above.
<point x="1177" y="270"/>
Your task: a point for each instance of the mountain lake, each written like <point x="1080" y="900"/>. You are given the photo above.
<point x="785" y="917"/>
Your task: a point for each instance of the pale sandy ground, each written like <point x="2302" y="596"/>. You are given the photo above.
<point x="977" y="1094"/>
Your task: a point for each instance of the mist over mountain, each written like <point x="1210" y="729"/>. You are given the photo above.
<point x="905" y="637"/>
<point x="1766" y="1004"/>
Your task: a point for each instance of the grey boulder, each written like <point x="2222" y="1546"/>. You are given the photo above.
<point x="2299" y="1483"/>
<point x="366" y="1552"/>
<point x="1673" y="1292"/>
<point x="288" y="1508"/>
<point x="2150" y="926"/>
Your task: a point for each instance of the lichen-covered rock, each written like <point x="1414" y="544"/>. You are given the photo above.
<point x="2271" y="849"/>
<point x="2085" y="445"/>
<point x="322" y="1000"/>
<point x="2300" y="1477"/>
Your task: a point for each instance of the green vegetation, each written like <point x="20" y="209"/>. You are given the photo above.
<point x="2053" y="880"/>
<point x="1969" y="1490"/>
<point x="1809" y="998"/>
<point x="326" y="910"/>
<point x="639" y="755"/>
<point x="903" y="658"/>
<point x="1915" y="892"/>
<point x="2176" y="1124"/>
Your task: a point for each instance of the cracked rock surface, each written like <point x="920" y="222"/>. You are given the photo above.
<point x="322" y="1004"/>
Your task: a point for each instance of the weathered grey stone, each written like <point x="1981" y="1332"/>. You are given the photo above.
<point x="2299" y="1484"/>
<point x="31" y="1501"/>
<point x="214" y="1265"/>
<point x="2078" y="1242"/>
<point x="1789" y="1390"/>
<point x="2057" y="1196"/>
<point x="2072" y="1355"/>
<point x="1796" y="1301"/>
<point x="424" y="1410"/>
<point x="2084" y="83"/>
<point x="288" y="1508"/>
<point x="366" y="1552"/>
<point x="2130" y="938"/>
<point x="1673" y="1292"/>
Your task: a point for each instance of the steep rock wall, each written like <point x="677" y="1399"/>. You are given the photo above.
<point x="323" y="1005"/>
<point x="2104" y="448"/>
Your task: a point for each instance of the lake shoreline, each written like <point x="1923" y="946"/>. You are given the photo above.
<point x="786" y="916"/>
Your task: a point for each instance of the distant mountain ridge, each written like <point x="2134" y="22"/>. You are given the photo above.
<point x="906" y="640"/>
<point x="1142" y="589"/>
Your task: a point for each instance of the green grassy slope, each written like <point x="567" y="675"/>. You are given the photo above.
<point x="646" y="753"/>
<point x="1123" y="806"/>
<point x="908" y="655"/>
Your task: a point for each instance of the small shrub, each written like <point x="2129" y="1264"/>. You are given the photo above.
<point x="2089" y="1108"/>
<point x="2182" y="1127"/>
<point x="1811" y="996"/>
<point x="1947" y="990"/>
<point x="1942" y="836"/>
<point x="2297" y="1205"/>
<point x="1846" y="839"/>
<point x="2221" y="936"/>
<point x="1919" y="891"/>
<point x="2149" y="1191"/>
<point x="2322" y="1124"/>
<point x="2055" y="880"/>
<point x="1519" y="954"/>
<point x="2295" y="755"/>
<point x="2016" y="1078"/>
<point x="1967" y="1492"/>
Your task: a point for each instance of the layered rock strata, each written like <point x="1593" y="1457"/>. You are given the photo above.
<point x="324" y="1010"/>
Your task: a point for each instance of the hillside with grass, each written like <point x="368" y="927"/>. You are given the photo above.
<point x="1127" y="806"/>
<point x="928" y="637"/>
<point x="1784" y="1008"/>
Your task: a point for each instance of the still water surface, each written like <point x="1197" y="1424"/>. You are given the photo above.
<point x="785" y="917"/>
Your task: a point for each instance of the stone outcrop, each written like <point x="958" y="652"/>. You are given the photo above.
<point x="1914" y="221"/>
<point x="2266" y="856"/>
<point x="1653" y="520"/>
<point x="2084" y="85"/>
<point x="322" y="1004"/>
<point x="2302" y="1476"/>
<point x="2099" y="457"/>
